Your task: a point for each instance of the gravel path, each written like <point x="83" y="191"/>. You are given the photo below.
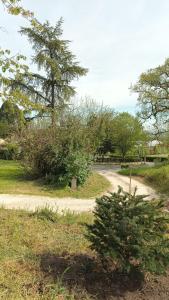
<point x="31" y="203"/>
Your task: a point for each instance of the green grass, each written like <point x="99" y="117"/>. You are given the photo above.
<point x="13" y="181"/>
<point x="36" y="256"/>
<point x="157" y="176"/>
<point x="44" y="255"/>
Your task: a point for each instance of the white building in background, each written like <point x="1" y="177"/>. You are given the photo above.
<point x="154" y="143"/>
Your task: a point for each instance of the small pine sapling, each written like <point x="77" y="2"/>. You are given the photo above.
<point x="130" y="233"/>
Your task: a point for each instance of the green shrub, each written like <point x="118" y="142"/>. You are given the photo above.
<point x="4" y="129"/>
<point x="129" y="233"/>
<point x="77" y="164"/>
<point x="9" y="152"/>
<point x="48" y="162"/>
<point x="157" y="161"/>
<point x="154" y="158"/>
<point x="56" y="155"/>
<point x="59" y="167"/>
<point x="124" y="166"/>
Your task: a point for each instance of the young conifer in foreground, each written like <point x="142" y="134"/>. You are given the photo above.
<point x="130" y="233"/>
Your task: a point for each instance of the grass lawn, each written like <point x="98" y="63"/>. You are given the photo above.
<point x="13" y="181"/>
<point x="51" y="260"/>
<point x="35" y="255"/>
<point x="157" y="176"/>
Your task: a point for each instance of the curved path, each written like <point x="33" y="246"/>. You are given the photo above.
<point x="31" y="203"/>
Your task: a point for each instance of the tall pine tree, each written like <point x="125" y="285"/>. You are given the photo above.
<point x="57" y="66"/>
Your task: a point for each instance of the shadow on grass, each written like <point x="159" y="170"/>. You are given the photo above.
<point x="48" y="187"/>
<point x="85" y="273"/>
<point x="22" y="176"/>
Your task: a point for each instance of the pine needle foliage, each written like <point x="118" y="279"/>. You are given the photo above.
<point x="130" y="233"/>
<point x="56" y="66"/>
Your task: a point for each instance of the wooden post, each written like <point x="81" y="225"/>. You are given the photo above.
<point x="144" y="159"/>
<point x="74" y="183"/>
<point x="130" y="183"/>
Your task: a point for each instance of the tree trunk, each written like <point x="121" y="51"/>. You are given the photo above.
<point x="53" y="118"/>
<point x="53" y="113"/>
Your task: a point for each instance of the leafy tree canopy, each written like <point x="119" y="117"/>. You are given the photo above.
<point x="153" y="95"/>
<point x="100" y="129"/>
<point x="127" y="131"/>
<point x="11" y="118"/>
<point x="10" y="113"/>
<point x="13" y="68"/>
<point x="14" y="8"/>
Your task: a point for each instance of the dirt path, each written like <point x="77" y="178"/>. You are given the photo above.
<point x="124" y="181"/>
<point x="31" y="203"/>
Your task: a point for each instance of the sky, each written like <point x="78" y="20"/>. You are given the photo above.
<point x="115" y="40"/>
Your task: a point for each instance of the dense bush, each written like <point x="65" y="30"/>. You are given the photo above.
<point x="130" y="233"/>
<point x="9" y="151"/>
<point x="4" y="129"/>
<point x="77" y="165"/>
<point x="154" y="158"/>
<point x="59" y="167"/>
<point x="54" y="156"/>
<point x="11" y="119"/>
<point x="48" y="161"/>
